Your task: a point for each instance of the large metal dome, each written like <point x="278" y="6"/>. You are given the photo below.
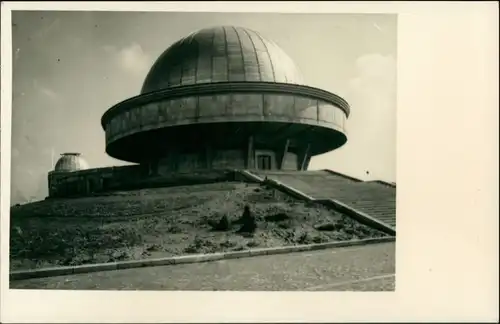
<point x="221" y="54"/>
<point x="224" y="97"/>
<point x="69" y="162"/>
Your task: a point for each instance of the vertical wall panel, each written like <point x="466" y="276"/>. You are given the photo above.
<point x="163" y="111"/>
<point x="175" y="110"/>
<point x="265" y="64"/>
<point x="204" y="71"/>
<point x="228" y="159"/>
<point x="234" y="56"/>
<point x="279" y="105"/>
<point x="326" y="112"/>
<point x="250" y="59"/>
<point x="136" y="118"/>
<point x="175" y="75"/>
<point x="338" y="116"/>
<point x="189" y="162"/>
<point x="204" y="40"/>
<point x="124" y="121"/>
<point x="213" y="106"/>
<point x="188" y="109"/>
<point x="290" y="160"/>
<point x="219" y="60"/>
<point x="306" y="108"/>
<point x="188" y="72"/>
<point x="150" y="114"/>
<point x="246" y="104"/>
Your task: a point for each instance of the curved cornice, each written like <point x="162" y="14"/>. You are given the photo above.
<point x="224" y="88"/>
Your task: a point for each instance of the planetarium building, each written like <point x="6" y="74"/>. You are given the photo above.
<point x="220" y="98"/>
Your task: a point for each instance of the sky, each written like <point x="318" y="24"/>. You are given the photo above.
<point x="70" y="67"/>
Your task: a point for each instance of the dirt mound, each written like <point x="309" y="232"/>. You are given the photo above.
<point x="168" y="221"/>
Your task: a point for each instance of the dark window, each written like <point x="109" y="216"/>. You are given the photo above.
<point x="264" y="162"/>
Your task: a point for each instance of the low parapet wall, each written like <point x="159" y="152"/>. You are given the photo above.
<point x="129" y="177"/>
<point x="384" y="183"/>
<point x="329" y="203"/>
<point x="332" y="203"/>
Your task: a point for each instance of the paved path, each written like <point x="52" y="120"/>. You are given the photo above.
<point x="364" y="268"/>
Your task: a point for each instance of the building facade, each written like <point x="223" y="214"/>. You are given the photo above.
<point x="221" y="98"/>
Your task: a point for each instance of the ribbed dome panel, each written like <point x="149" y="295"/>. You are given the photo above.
<point x="221" y="54"/>
<point x="71" y="162"/>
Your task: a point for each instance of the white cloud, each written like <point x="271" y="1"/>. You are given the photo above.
<point x="373" y="119"/>
<point x="49" y="93"/>
<point x="131" y="59"/>
<point x="372" y="92"/>
<point x="375" y="72"/>
<point x="371" y="126"/>
<point x="45" y="91"/>
<point x="48" y="30"/>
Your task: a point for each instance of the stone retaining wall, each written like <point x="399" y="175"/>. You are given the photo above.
<point x="129" y="177"/>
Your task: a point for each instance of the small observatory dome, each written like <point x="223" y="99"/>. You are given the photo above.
<point x="221" y="54"/>
<point x="70" y="162"/>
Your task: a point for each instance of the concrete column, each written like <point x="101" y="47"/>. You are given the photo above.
<point x="174" y="160"/>
<point x="208" y="157"/>
<point x="304" y="158"/>
<point x="250" y="160"/>
<point x="306" y="166"/>
<point x="150" y="168"/>
<point x="50" y="185"/>
<point x="283" y="155"/>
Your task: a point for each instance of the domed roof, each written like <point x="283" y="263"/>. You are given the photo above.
<point x="221" y="54"/>
<point x="70" y="162"/>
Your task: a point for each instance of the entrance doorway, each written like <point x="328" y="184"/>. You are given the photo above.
<point x="264" y="162"/>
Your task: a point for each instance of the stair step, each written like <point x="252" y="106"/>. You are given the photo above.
<point x="374" y="199"/>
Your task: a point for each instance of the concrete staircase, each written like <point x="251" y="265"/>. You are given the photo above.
<point x="373" y="198"/>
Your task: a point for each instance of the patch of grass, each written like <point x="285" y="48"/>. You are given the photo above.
<point x="222" y="225"/>
<point x="167" y="221"/>
<point x="277" y="218"/>
<point x="330" y="227"/>
<point x="253" y="243"/>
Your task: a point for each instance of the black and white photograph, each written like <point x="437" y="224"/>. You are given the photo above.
<point x="175" y="151"/>
<point x="235" y="155"/>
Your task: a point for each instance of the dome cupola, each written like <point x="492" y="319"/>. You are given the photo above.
<point x="69" y="162"/>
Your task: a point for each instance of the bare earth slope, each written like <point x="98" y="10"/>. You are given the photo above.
<point x="356" y="268"/>
<point x="166" y="221"/>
